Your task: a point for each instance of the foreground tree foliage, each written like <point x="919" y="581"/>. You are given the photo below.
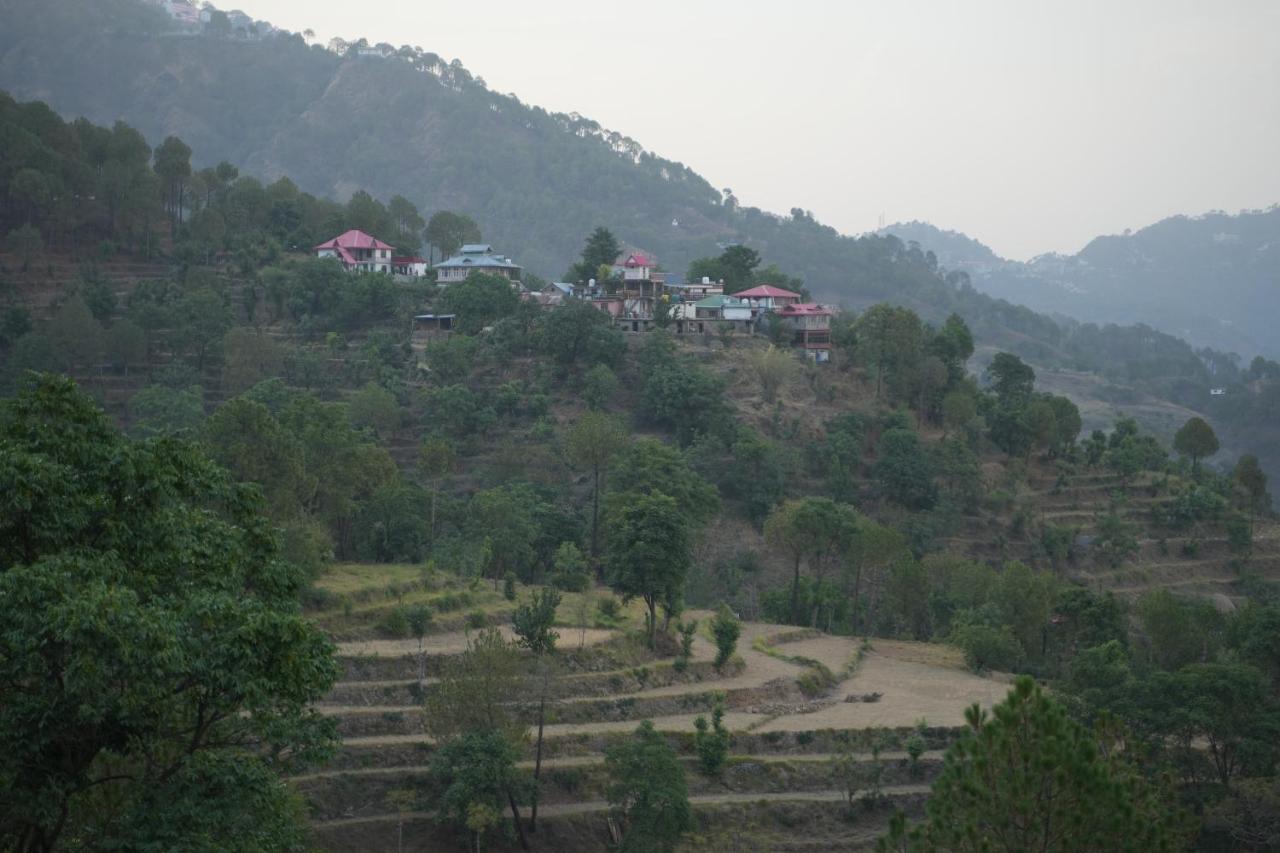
<point x="1030" y="778"/>
<point x="647" y="785"/>
<point x="155" y="673"/>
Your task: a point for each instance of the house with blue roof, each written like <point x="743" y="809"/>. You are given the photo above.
<point x="476" y="257"/>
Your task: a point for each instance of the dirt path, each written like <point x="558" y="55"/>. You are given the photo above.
<point x="598" y="760"/>
<point x="450" y="643"/>
<point x="601" y="806"/>
<point x="910" y="691"/>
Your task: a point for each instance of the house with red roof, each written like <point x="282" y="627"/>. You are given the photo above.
<point x="358" y="252"/>
<point x="810" y="326"/>
<point x="766" y="297"/>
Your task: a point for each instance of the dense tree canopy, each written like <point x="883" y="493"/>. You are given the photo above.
<point x="156" y="670"/>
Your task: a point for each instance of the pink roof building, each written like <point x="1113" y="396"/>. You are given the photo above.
<point x="358" y="252"/>
<point x="810" y="324"/>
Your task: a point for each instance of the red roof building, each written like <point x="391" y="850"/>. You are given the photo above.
<point x="810" y="324"/>
<point x="358" y="252"/>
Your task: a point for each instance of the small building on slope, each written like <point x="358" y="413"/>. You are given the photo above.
<point x="476" y="257"/>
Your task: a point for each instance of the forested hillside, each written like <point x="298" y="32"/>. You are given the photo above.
<point x="418" y="126"/>
<point x="714" y="522"/>
<point x="1213" y="279"/>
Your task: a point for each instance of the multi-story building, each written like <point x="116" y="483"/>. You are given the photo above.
<point x="358" y="252"/>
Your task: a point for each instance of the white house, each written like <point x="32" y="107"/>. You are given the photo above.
<point x="358" y="252"/>
<point x="476" y="257"/>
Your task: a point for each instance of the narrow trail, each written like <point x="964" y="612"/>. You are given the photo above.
<point x="566" y="809"/>
<point x="450" y="643"/>
<point x="597" y="760"/>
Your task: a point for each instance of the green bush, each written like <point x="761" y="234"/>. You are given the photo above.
<point x="395" y="624"/>
<point x="988" y="648"/>
<point x="509" y="586"/>
<point x="726" y="629"/>
<point x="476" y="620"/>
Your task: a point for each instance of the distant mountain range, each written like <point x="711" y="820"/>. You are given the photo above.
<point x="1213" y="279"/>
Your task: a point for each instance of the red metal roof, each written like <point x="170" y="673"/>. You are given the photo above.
<point x="637" y="260"/>
<point x="766" y="290"/>
<point x="809" y="309"/>
<point x="354" y="239"/>
<point x="408" y="259"/>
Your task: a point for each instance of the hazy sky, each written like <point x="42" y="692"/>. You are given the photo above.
<point x="1032" y="126"/>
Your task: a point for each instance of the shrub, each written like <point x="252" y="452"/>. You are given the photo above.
<point x="395" y="624"/>
<point x="509" y="586"/>
<point x="726" y="629"/>
<point x="609" y="608"/>
<point x="988" y="648"/>
<point x="476" y="620"/>
<point x="687" y="632"/>
<point x="711" y="743"/>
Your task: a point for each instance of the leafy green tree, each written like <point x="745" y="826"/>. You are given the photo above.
<point x="711" y="742"/>
<point x="1251" y="484"/>
<point x="375" y="408"/>
<point x="987" y="647"/>
<point x="1197" y="440"/>
<point x="532" y="623"/>
<point x="256" y="448"/>
<point x="1178" y="631"/>
<point x="250" y="357"/>
<point x="571" y="572"/>
<point x="436" y="461"/>
<point x="126" y="345"/>
<point x="600" y="250"/>
<point x="480" y="301"/>
<point x="725" y="630"/>
<point x="651" y="467"/>
<point x="647" y="787"/>
<point x="448" y="232"/>
<point x="479" y="779"/>
<point x="475" y="702"/>
<point x="773" y="369"/>
<point x="889" y="341"/>
<point x="173" y="167"/>
<point x="156" y="677"/>
<point x="904" y="470"/>
<point x="1012" y="380"/>
<point x="76" y="334"/>
<point x="593" y="442"/>
<point x="816" y="530"/>
<point x="598" y="386"/>
<point x="648" y="552"/>
<point x="501" y="516"/>
<point x="579" y="332"/>
<point x="1029" y="778"/>
<point x="159" y="410"/>
<point x="1231" y="708"/>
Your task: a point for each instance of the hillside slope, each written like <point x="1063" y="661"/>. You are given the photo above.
<point x="424" y="128"/>
<point x="1212" y="279"/>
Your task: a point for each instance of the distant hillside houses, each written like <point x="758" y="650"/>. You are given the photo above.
<point x="194" y="18"/>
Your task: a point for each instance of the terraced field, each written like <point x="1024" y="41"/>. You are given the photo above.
<point x="376" y="793"/>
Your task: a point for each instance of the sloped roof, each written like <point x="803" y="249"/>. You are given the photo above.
<point x="766" y="290"/>
<point x="639" y="259"/>
<point x="408" y="259"/>
<point x="476" y="249"/>
<point x="353" y="239"/>
<point x="477" y="260"/>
